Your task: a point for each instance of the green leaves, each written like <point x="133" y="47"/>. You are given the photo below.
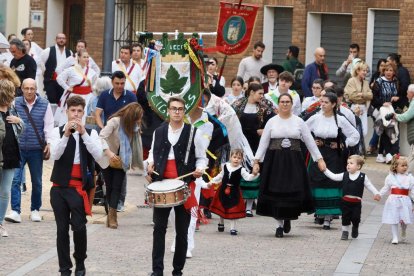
<point x="173" y="84"/>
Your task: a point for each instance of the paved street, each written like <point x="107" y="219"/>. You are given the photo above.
<point x="307" y="250"/>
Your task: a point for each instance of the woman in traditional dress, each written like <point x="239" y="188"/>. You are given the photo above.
<point x="236" y="90"/>
<point x="284" y="189"/>
<point x="332" y="132"/>
<point x="253" y="111"/>
<point x="76" y="80"/>
<point x="216" y="85"/>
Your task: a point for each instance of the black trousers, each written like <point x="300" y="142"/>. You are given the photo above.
<point x="53" y="91"/>
<point x="182" y="221"/>
<point x="68" y="208"/>
<point x="113" y="181"/>
<point x="351" y="213"/>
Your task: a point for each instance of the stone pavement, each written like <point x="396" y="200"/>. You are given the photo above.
<point x="307" y="250"/>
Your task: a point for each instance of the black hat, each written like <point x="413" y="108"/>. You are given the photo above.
<point x="273" y="66"/>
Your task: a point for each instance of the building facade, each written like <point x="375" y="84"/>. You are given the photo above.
<point x="378" y="26"/>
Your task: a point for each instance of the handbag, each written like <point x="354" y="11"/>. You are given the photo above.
<point x="42" y="142"/>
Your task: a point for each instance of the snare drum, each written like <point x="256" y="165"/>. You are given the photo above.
<point x="167" y="193"/>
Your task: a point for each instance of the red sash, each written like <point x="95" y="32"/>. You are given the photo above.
<point x="82" y="90"/>
<point x="77" y="184"/>
<point x="171" y="172"/>
<point x="397" y="191"/>
<point x="54" y="76"/>
<point x="351" y="199"/>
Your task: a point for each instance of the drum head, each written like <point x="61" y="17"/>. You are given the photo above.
<point x="165" y="185"/>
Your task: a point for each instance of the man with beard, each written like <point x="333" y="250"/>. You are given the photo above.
<point x="250" y="66"/>
<point x="52" y="58"/>
<point x="22" y="64"/>
<point x="271" y="71"/>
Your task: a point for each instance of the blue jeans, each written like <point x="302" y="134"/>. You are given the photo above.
<point x="34" y="159"/>
<point x="6" y="177"/>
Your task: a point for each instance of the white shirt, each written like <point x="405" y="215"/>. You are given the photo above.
<point x="326" y="127"/>
<point x="72" y="60"/>
<point x="353" y="176"/>
<point x="135" y="75"/>
<point x="400" y="181"/>
<point x="308" y="101"/>
<point x="173" y="136"/>
<point x="206" y="130"/>
<point x="48" y="122"/>
<point x="291" y="128"/>
<point x="296" y="108"/>
<point x="60" y="56"/>
<point x="6" y="57"/>
<point x="70" y="77"/>
<point x="246" y="176"/>
<point x="58" y="145"/>
<point x="250" y="66"/>
<point x="348" y="114"/>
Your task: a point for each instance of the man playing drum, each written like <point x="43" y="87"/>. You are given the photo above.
<point x="176" y="150"/>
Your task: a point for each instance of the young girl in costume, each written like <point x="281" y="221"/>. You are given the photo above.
<point x="398" y="208"/>
<point x="228" y="201"/>
<point x="353" y="182"/>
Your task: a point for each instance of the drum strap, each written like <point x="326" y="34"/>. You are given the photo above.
<point x="190" y="141"/>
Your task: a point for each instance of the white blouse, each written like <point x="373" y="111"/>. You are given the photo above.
<point x="400" y="181"/>
<point x="293" y="128"/>
<point x="246" y="176"/>
<point x="325" y="127"/>
<point x="70" y="77"/>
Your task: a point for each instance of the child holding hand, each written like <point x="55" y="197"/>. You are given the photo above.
<point x="353" y="182"/>
<point x="398" y="208"/>
<point x="228" y="202"/>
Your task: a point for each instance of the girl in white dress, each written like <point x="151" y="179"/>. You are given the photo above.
<point x="398" y="208"/>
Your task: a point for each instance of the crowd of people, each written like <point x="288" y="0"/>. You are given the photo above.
<point x="283" y="139"/>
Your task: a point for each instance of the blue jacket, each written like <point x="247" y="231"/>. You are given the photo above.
<point x="310" y="74"/>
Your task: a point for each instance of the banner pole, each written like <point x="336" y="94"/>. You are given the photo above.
<point x="240" y="2"/>
<point x="222" y="68"/>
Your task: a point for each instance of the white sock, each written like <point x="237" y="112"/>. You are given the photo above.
<point x="279" y="222"/>
<point x="327" y="221"/>
<point x="221" y="220"/>
<point x="394" y="230"/>
<point x="249" y="204"/>
<point x="233" y="224"/>
<point x="345" y="228"/>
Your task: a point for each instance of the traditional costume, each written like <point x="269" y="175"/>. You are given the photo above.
<point x="133" y="74"/>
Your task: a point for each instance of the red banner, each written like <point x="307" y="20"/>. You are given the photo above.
<point x="235" y="27"/>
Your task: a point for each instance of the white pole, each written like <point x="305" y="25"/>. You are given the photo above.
<point x="176" y="33"/>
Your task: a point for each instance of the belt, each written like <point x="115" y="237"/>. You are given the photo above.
<point x="284" y="143"/>
<point x="397" y="191"/>
<point x="351" y="199"/>
<point x="82" y="90"/>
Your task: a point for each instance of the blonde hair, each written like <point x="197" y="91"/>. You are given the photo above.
<point x="9" y="74"/>
<point x="7" y="90"/>
<point x="359" y="160"/>
<point x="396" y="159"/>
<point x="358" y="67"/>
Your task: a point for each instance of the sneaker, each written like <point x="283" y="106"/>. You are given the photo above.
<point x="354" y="233"/>
<point x="380" y="158"/>
<point x="220" y="227"/>
<point x="233" y="232"/>
<point x="13" y="217"/>
<point x="3" y="231"/>
<point x="188" y="254"/>
<point x="249" y="214"/>
<point x="394" y="241"/>
<point x="388" y="158"/>
<point x="345" y="235"/>
<point x="120" y="208"/>
<point x="35" y="216"/>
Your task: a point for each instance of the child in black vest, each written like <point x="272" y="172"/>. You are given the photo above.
<point x="353" y="182"/>
<point x="228" y="201"/>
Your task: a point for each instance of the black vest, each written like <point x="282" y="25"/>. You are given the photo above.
<point x="62" y="168"/>
<point x="232" y="198"/>
<point x="353" y="187"/>
<point x="162" y="147"/>
<point x="51" y="63"/>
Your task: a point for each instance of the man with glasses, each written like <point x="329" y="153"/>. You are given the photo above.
<point x="52" y="58"/>
<point x="179" y="150"/>
<point x="37" y="116"/>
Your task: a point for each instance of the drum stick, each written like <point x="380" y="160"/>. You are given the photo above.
<point x="188" y="174"/>
<point x="156" y="173"/>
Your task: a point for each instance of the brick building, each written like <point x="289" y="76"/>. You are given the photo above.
<point x="378" y="26"/>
